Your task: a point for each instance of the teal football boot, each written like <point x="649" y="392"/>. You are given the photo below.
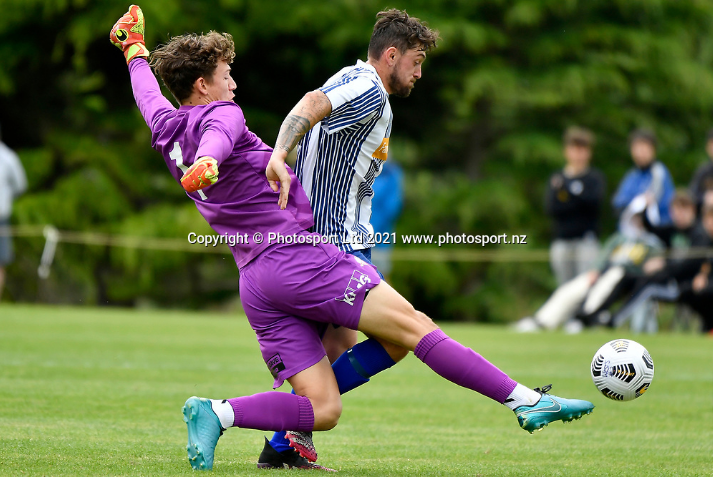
<point x="204" y="430"/>
<point x="549" y="409"/>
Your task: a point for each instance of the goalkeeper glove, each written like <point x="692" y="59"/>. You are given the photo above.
<point x="201" y="174"/>
<point x="128" y="34"/>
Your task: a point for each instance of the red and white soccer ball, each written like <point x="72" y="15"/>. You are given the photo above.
<point x="622" y="370"/>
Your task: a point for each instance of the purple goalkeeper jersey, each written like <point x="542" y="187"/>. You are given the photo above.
<point x="241" y="201"/>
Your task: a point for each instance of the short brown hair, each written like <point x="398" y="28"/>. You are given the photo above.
<point x="683" y="198"/>
<point x="185" y="58"/>
<point x="396" y="28"/>
<point x="643" y="134"/>
<point x="578" y="136"/>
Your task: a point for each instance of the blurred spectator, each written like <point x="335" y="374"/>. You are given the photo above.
<point x="583" y="295"/>
<point x="386" y="206"/>
<point x="678" y="239"/>
<point x="649" y="178"/>
<point x="677" y="236"/>
<point x="13" y="182"/>
<point x="686" y="281"/>
<point x="703" y="178"/>
<point x="707" y="199"/>
<point x="574" y="199"/>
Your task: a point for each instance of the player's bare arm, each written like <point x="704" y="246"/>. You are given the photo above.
<point x="311" y="109"/>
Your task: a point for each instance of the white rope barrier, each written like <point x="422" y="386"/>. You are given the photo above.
<point x="404" y="253"/>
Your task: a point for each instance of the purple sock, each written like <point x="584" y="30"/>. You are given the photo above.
<point x="273" y="411"/>
<point x="463" y="366"/>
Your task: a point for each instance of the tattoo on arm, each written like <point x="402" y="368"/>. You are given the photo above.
<point x="314" y="107"/>
<point x="292" y="130"/>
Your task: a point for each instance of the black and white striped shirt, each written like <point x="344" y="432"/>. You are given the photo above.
<point x="338" y="159"/>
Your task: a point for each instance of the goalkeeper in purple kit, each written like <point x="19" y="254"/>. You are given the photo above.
<point x="290" y="292"/>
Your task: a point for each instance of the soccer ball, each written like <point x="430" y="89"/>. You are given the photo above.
<point x="622" y="370"/>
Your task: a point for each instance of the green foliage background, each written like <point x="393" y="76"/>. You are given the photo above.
<point x="478" y="137"/>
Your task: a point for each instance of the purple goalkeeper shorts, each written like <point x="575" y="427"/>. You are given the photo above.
<point x="290" y="292"/>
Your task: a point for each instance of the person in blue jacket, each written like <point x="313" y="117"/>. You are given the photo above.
<point x="648" y="177"/>
<point x="386" y="207"/>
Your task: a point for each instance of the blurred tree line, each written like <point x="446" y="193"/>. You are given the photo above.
<point x="478" y="137"/>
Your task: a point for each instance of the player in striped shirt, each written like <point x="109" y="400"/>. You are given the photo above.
<point x="343" y="129"/>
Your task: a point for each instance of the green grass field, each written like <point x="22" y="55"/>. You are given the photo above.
<point x="99" y="392"/>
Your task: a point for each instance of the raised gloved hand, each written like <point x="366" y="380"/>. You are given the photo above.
<point x="128" y="34"/>
<point x="201" y="174"/>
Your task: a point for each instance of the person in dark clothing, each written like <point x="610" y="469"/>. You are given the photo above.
<point x="698" y="294"/>
<point x="702" y="180"/>
<point x="686" y="281"/>
<point x="574" y="199"/>
<point x="677" y="238"/>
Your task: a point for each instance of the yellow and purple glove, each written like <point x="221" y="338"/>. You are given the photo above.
<point x="128" y="34"/>
<point x="201" y="174"/>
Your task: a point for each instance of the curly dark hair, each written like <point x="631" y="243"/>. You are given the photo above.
<point x="185" y="58"/>
<point x="396" y="28"/>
